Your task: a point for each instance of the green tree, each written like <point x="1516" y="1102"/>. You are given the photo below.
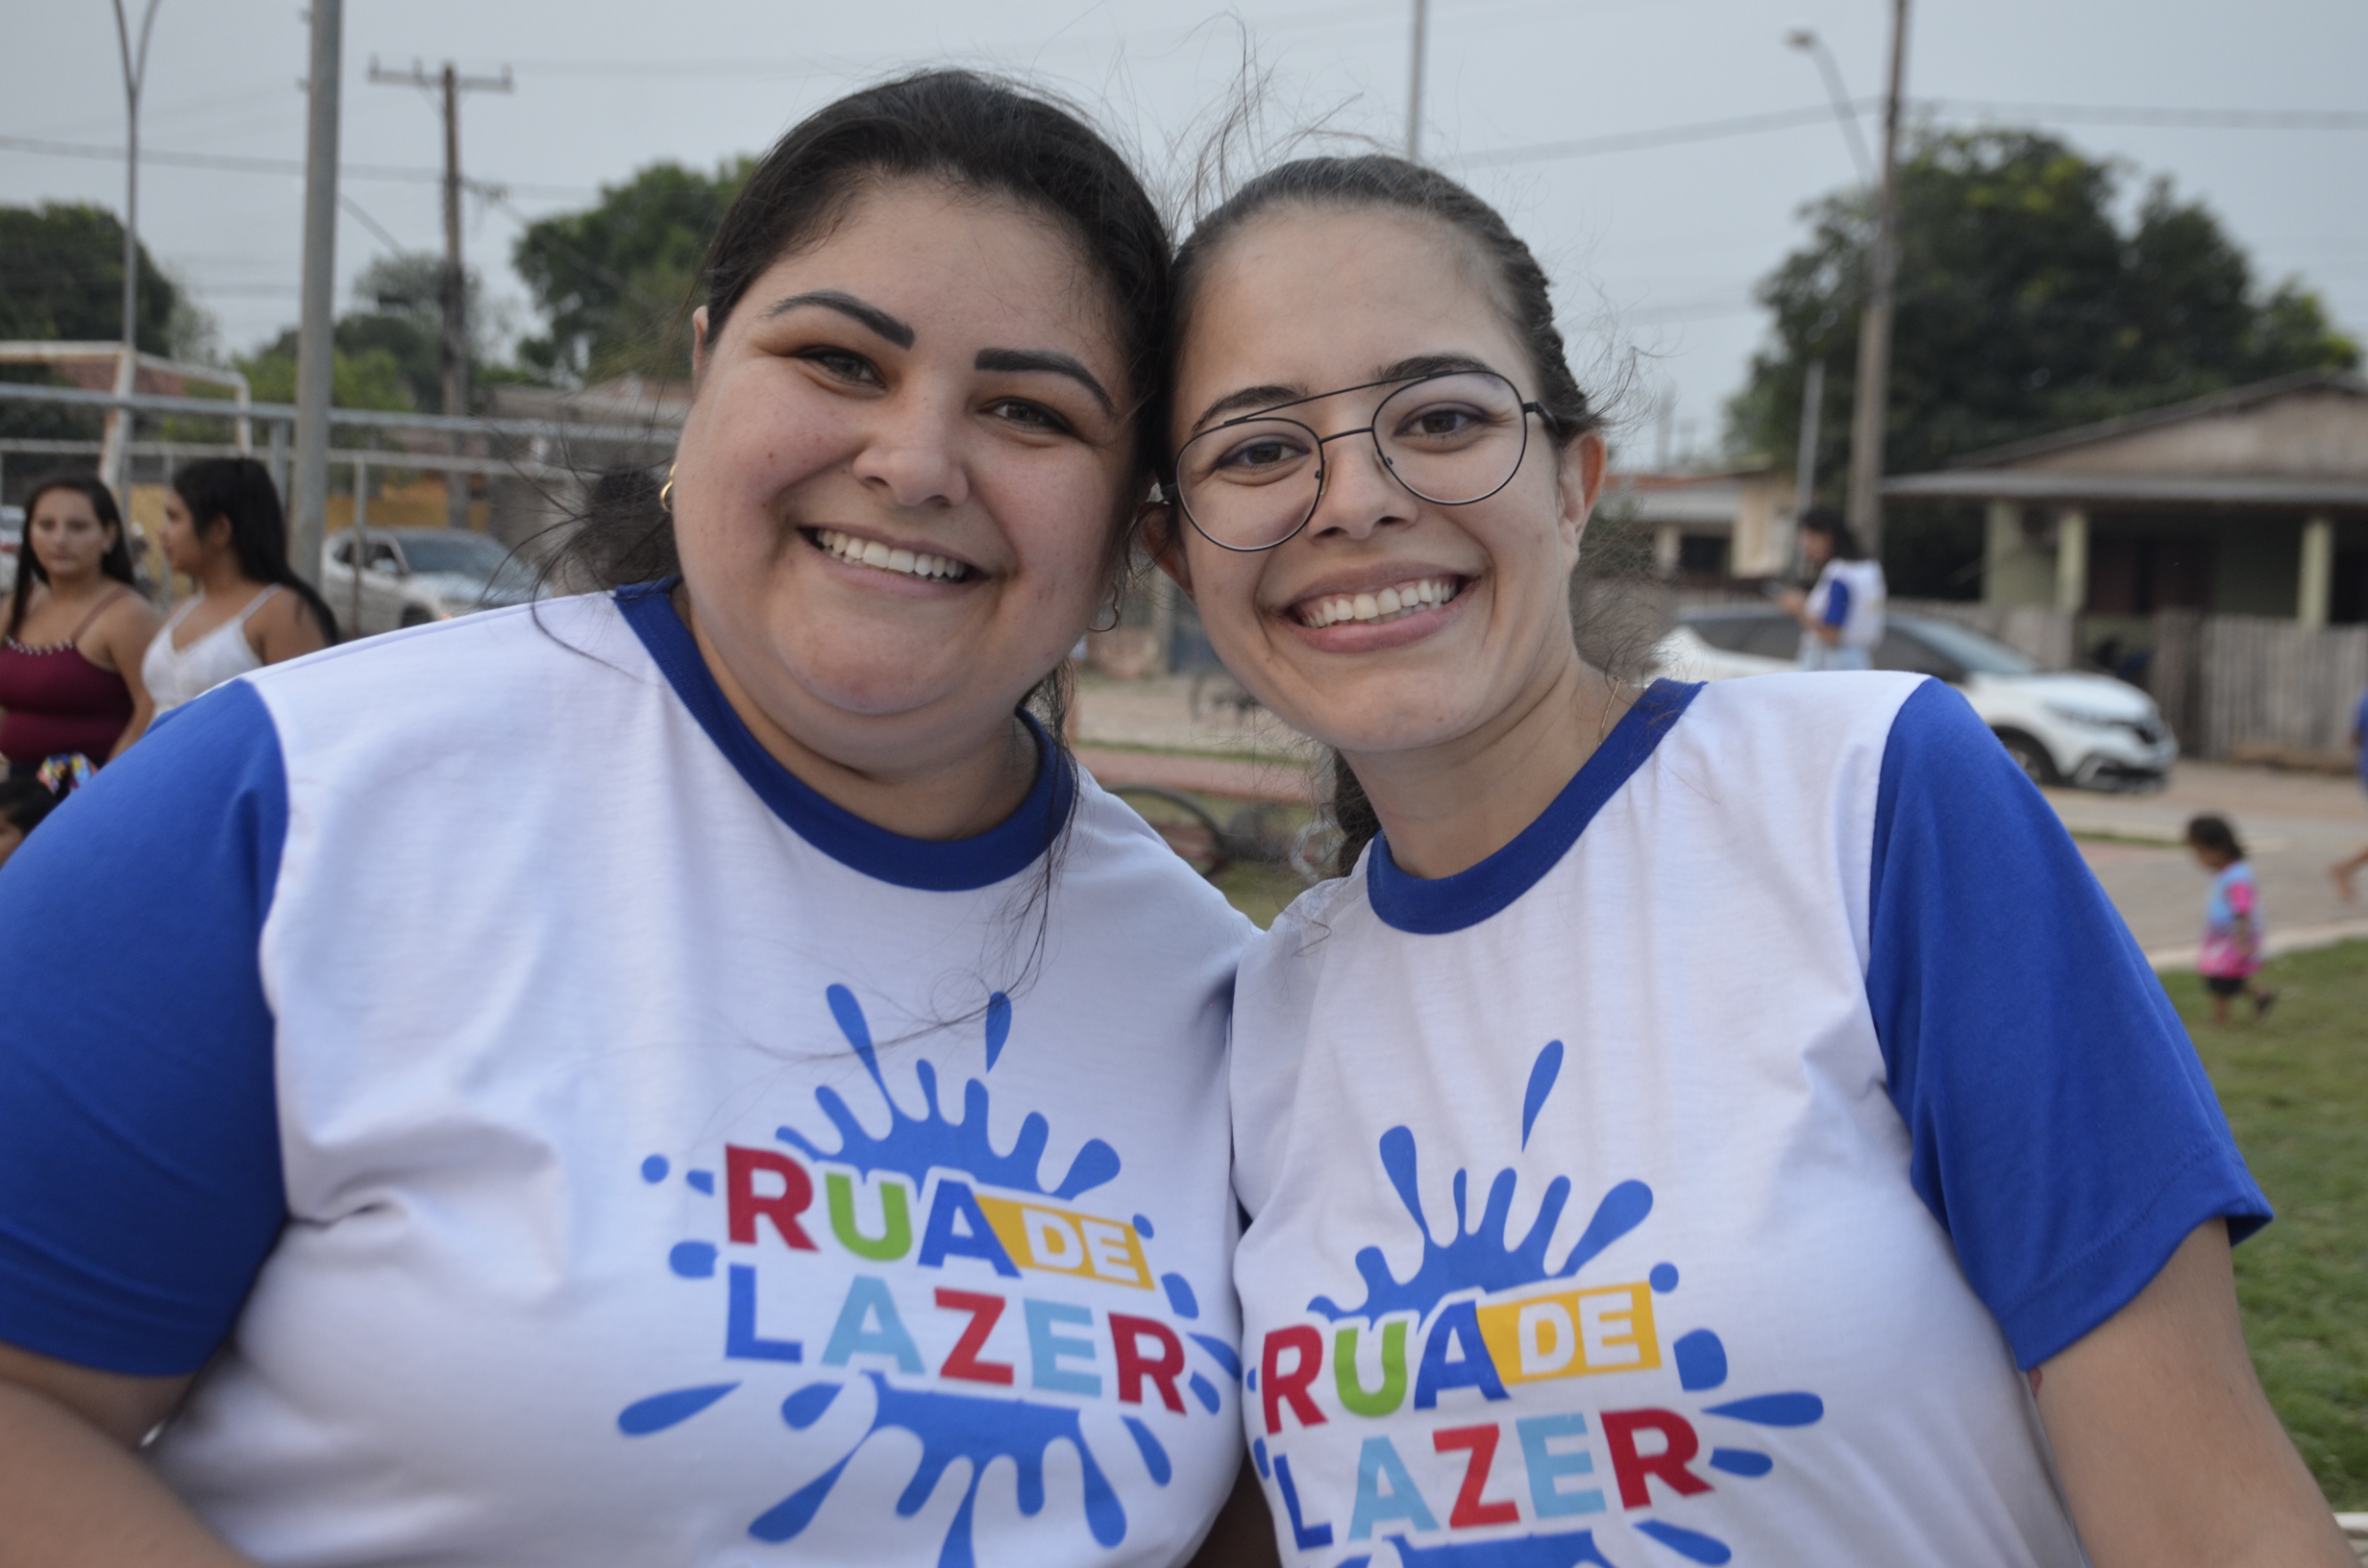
<point x="61" y="280"/>
<point x="2024" y="306"/>
<point x="615" y="281"/>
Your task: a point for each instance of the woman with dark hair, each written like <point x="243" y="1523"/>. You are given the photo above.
<point x="1719" y="1124"/>
<point x="70" y="680"/>
<point x="1842" y="614"/>
<point x="690" y="1073"/>
<point x="224" y="529"/>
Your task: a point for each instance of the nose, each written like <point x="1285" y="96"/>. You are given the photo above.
<point x="1359" y="495"/>
<point x="911" y="454"/>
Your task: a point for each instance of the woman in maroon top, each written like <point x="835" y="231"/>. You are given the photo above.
<point x="70" y="668"/>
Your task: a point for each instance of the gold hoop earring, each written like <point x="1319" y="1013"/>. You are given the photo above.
<point x="666" y="492"/>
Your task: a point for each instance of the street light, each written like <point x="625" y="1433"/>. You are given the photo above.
<point x="1806" y="39"/>
<point x="134" y="73"/>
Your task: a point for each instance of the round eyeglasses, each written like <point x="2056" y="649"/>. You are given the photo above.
<point x="1451" y="439"/>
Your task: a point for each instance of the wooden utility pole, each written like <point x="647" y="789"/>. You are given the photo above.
<point x="1871" y="397"/>
<point x="315" y="345"/>
<point x="455" y="288"/>
<point x="1414" y="84"/>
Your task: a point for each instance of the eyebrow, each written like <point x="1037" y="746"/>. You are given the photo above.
<point x="847" y="305"/>
<point x="1275" y="396"/>
<point x="1048" y="360"/>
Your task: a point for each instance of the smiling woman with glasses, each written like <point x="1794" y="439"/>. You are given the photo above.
<point x="1453" y="437"/>
<point x="1694" y="1108"/>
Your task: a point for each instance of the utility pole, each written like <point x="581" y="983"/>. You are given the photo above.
<point x="456" y="290"/>
<point x="1414" y="86"/>
<point x="1872" y="393"/>
<point x="1813" y="418"/>
<point x="315" y="357"/>
<point x="115" y="450"/>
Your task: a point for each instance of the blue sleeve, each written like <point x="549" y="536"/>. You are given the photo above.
<point x="140" y="1145"/>
<point x="2062" y="1128"/>
<point x="1836" y="603"/>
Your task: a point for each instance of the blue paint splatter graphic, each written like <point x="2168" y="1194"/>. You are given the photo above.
<point x="1741" y="1461"/>
<point x="1662" y="1278"/>
<point x="913" y="1145"/>
<point x="1542" y="1075"/>
<point x="1530" y="1551"/>
<point x="802" y="1409"/>
<point x="1480" y="1256"/>
<point x="1143" y="1228"/>
<point x="702" y="1180"/>
<point x="1180" y="1295"/>
<point x="1155" y="1456"/>
<point x="1206" y="1392"/>
<point x="1686" y="1543"/>
<point x="693" y="1260"/>
<point x="1258" y="1457"/>
<point x="955" y="1428"/>
<point x="1221" y="1353"/>
<point x="659" y="1412"/>
<point x="999" y="1026"/>
<point x="1794" y="1410"/>
<point x="654" y="1170"/>
<point x="1701" y="1361"/>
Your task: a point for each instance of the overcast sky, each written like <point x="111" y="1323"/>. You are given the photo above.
<point x="1654" y="250"/>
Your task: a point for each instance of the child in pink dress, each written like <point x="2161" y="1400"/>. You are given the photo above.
<point x="2231" y="952"/>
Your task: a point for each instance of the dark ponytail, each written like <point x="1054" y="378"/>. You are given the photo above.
<point x="239" y="491"/>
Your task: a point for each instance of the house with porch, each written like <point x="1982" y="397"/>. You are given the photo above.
<point x="2251" y="502"/>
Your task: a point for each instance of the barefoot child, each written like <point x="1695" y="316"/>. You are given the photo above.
<point x="2232" y="919"/>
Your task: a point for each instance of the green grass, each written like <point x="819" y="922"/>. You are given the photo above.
<point x="2296" y="1091"/>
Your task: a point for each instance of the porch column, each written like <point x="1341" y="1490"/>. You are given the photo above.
<point x="2318" y="576"/>
<point x="2071" y="561"/>
<point x="2002" y="535"/>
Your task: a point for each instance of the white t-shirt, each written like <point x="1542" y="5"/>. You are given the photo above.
<point x="1684" y="1182"/>
<point x="598" y="1148"/>
<point x="1849" y="595"/>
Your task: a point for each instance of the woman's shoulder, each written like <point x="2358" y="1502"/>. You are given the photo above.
<point x="1113" y="847"/>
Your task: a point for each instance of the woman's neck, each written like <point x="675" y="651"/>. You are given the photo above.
<point x="221" y="578"/>
<point x="963" y="785"/>
<point x="79" y="586"/>
<point x="1446" y="808"/>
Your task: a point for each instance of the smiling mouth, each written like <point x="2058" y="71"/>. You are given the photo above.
<point x="1393" y="603"/>
<point x="896" y="558"/>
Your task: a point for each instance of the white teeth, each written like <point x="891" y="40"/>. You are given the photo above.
<point x="871" y="553"/>
<point x="1389" y="604"/>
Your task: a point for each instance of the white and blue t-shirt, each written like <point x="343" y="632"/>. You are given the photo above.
<point x="1849" y="599"/>
<point x="1685" y="1182"/>
<point x="584" y="1143"/>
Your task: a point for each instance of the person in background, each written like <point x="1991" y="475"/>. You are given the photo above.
<point x="2231" y="954"/>
<point x="70" y="680"/>
<point x="224" y="529"/>
<point x="1841" y="615"/>
<point x="23" y="803"/>
<point x="2348" y="867"/>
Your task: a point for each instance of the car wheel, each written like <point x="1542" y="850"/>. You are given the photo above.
<point x="2030" y="756"/>
<point x="414" y="616"/>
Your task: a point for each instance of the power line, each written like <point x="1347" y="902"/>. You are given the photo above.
<point x="281" y="165"/>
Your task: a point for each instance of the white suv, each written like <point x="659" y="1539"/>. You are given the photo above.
<point x="414" y="576"/>
<point x="2060" y="727"/>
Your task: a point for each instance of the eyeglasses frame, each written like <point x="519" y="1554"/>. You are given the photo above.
<point x="1323" y="468"/>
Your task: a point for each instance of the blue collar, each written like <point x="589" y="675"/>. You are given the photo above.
<point x="930" y="865"/>
<point x="1434" y="906"/>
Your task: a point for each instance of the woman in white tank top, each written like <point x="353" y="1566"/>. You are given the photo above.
<point x="224" y="528"/>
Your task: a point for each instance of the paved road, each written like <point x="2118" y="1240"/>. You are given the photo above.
<point x="2293" y="825"/>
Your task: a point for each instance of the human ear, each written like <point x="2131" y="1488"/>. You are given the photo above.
<point x="1163" y="539"/>
<point x="1578" y="482"/>
<point x="699" y="342"/>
